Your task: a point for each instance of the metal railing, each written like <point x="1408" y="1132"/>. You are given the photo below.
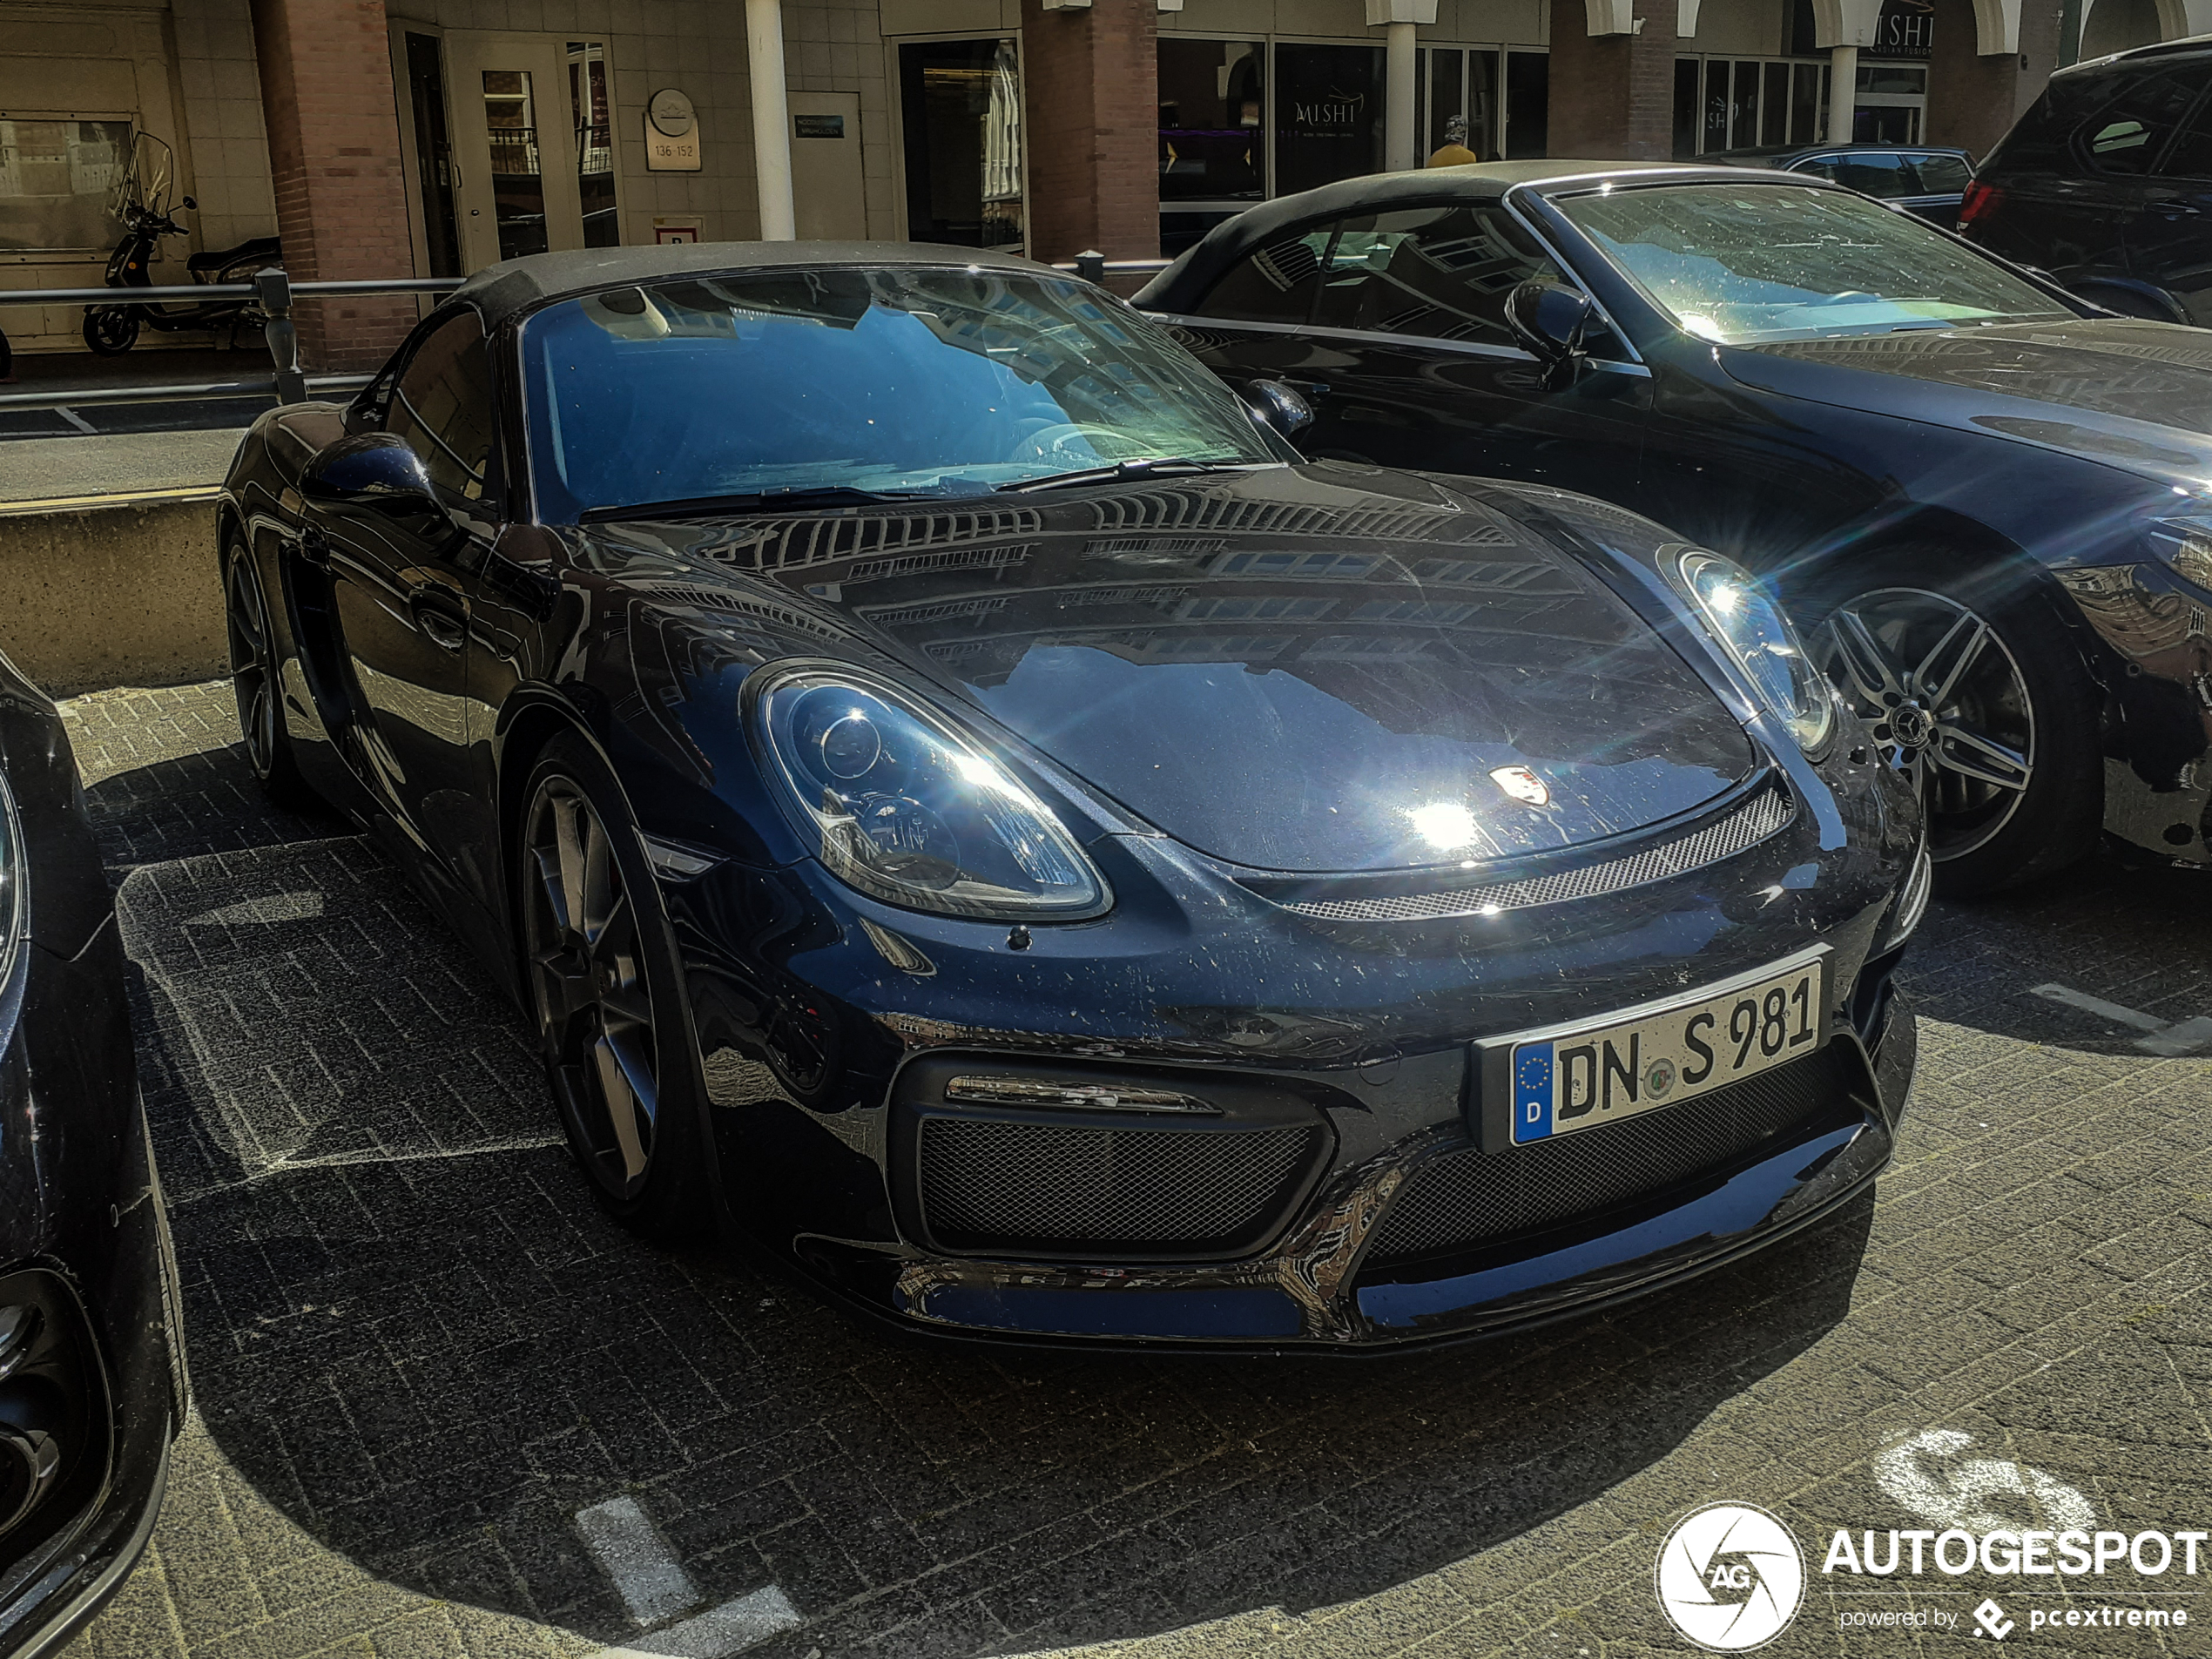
<point x="272" y="290"/>
<point x="1094" y="266"/>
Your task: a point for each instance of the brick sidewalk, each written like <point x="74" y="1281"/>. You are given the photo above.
<point x="420" y="1352"/>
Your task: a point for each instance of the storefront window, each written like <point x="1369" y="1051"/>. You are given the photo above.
<point x="57" y="178"/>
<point x="1528" y="105"/>
<point x="1460" y="85"/>
<point x="961" y="101"/>
<point x="1722" y="104"/>
<point x="1328" y="115"/>
<point x="1213" y="104"/>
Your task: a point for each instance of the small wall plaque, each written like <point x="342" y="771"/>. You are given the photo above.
<point x="819" y="126"/>
<point x="665" y="154"/>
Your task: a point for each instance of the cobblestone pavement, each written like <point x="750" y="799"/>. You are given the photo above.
<point x="446" y="1408"/>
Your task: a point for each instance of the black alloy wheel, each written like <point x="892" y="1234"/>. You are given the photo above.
<point x="111" y="330"/>
<point x="601" y="967"/>
<point x="1973" y="688"/>
<point x="256" y="678"/>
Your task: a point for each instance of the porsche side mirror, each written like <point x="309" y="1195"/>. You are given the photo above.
<point x="1282" y="407"/>
<point x="1550" y="320"/>
<point x="373" y="470"/>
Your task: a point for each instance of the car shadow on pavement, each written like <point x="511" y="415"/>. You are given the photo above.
<point x="415" y="1333"/>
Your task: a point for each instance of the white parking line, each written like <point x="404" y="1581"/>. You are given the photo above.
<point x="654" y="1586"/>
<point x="2179" y="1037"/>
<point x="2185" y="1037"/>
<point x="652" y="1581"/>
<point x="2098" y="1007"/>
<point x="719" y="1631"/>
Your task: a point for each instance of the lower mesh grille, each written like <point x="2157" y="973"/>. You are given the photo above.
<point x="1035" y="1186"/>
<point x="1469" y="1197"/>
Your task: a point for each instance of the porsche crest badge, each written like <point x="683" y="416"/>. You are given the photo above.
<point x="1522" y="784"/>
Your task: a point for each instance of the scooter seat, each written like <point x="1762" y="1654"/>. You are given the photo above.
<point x="262" y="250"/>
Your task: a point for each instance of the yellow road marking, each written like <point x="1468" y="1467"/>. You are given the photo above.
<point x="118" y="498"/>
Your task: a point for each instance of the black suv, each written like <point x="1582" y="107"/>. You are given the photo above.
<point x="2106" y="183"/>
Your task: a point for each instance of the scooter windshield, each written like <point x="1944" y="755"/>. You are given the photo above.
<point x="152" y="173"/>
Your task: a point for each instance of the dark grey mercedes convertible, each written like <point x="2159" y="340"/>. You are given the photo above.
<point x="1999" y="496"/>
<point x="963" y="804"/>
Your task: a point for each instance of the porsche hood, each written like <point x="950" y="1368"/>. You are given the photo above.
<point x="1290" y="670"/>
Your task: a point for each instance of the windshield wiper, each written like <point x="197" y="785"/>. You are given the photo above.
<point x="784" y="498"/>
<point x="1148" y="467"/>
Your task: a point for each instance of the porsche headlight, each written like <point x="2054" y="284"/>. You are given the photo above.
<point x="1763" y="642"/>
<point x="909" y="810"/>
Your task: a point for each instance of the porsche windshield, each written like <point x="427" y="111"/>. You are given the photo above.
<point x="1740" y="263"/>
<point x="814" y="385"/>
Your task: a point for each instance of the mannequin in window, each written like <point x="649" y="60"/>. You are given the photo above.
<point x="1453" y="151"/>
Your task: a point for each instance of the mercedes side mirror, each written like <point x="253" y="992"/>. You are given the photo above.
<point x="1550" y="321"/>
<point x="1283" y="408"/>
<point x="372" y="470"/>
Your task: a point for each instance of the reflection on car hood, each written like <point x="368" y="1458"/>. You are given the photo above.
<point x="1303" y="669"/>
<point x="2127" y="394"/>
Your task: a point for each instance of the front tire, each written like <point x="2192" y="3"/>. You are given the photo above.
<point x="602" y="978"/>
<point x="256" y="681"/>
<point x="1972" y="684"/>
<point x="111" y="330"/>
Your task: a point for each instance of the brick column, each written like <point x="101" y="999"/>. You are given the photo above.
<point x="327" y="99"/>
<point x="1613" y="95"/>
<point x="1091" y="121"/>
<point x="1974" y="97"/>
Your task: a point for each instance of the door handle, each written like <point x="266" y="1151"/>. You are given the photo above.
<point x="2172" y="207"/>
<point x="439" y="626"/>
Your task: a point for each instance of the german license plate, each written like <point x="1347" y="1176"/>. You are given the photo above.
<point x="1576" y="1077"/>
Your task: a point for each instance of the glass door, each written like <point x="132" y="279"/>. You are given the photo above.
<point x="1891" y="98"/>
<point x="594" y="147"/>
<point x="434" y="168"/>
<point x="531" y="130"/>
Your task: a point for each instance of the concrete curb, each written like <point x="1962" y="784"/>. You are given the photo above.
<point x="111" y="591"/>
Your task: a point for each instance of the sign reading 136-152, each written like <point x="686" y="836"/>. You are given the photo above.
<point x="672" y="133"/>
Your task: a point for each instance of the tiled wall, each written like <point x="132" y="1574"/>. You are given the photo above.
<point x="221" y="126"/>
<point x="837" y="46"/>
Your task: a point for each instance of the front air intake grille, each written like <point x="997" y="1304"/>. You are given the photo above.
<point x="1472" y="1197"/>
<point x="1763" y="815"/>
<point x="1027" y="1187"/>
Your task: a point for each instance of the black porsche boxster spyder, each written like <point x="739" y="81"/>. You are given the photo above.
<point x="92" y="1385"/>
<point x="963" y="804"/>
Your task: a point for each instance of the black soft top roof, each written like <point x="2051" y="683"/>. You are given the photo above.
<point x="1193" y="274"/>
<point x="514" y="285"/>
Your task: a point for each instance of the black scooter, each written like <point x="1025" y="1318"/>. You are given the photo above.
<point x="111" y="330"/>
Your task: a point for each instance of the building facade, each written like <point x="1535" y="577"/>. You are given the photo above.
<point x="387" y="138"/>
